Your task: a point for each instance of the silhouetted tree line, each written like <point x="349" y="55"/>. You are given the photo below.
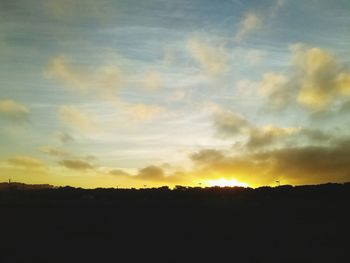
<point x="23" y="193"/>
<point x="184" y="224"/>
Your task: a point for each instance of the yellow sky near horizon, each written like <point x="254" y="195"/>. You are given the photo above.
<point x="152" y="93"/>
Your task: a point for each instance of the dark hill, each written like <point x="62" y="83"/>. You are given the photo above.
<point x="282" y="224"/>
<point x="22" y="186"/>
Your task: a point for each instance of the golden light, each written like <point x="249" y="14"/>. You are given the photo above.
<point x="223" y="182"/>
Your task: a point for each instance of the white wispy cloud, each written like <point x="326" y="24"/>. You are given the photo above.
<point x="105" y="81"/>
<point x="152" y="81"/>
<point x="250" y="23"/>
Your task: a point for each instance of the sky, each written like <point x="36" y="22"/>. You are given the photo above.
<point x="149" y="93"/>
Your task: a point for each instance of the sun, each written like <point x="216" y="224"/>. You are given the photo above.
<point x="223" y="182"/>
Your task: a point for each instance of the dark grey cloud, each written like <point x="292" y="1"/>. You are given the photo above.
<point x="119" y="172"/>
<point x="76" y="164"/>
<point x="316" y="135"/>
<point x="151" y="172"/>
<point x="207" y="155"/>
<point x="230" y="124"/>
<point x="27" y="162"/>
<point x="64" y="137"/>
<point x="310" y="163"/>
<point x="294" y="165"/>
<point x="54" y="151"/>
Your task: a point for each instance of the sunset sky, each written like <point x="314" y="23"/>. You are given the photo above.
<point x="130" y="93"/>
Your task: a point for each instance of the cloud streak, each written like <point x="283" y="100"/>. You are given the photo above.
<point x="253" y="21"/>
<point x="119" y="172"/>
<point x="249" y="24"/>
<point x="64" y="137"/>
<point x="153" y="174"/>
<point x="53" y="151"/>
<point x="76" y="164"/>
<point x="26" y="162"/>
<point x="14" y="111"/>
<point x="152" y="81"/>
<point x="105" y="81"/>
<point x="212" y="59"/>
<point x="142" y="112"/>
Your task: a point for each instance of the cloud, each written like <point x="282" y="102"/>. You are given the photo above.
<point x="152" y="81"/>
<point x="268" y="135"/>
<point x="345" y="107"/>
<point x="207" y="155"/>
<point x="152" y="172"/>
<point x="343" y="83"/>
<point x="290" y="165"/>
<point x="76" y="11"/>
<point x="26" y="162"/>
<point x="76" y="164"/>
<point x="119" y="172"/>
<point x="212" y="59"/>
<point x="315" y="81"/>
<point x="178" y="95"/>
<point x="68" y="8"/>
<point x="53" y="151"/>
<point x="156" y="174"/>
<point x="338" y="110"/>
<point x="143" y="112"/>
<point x="276" y="7"/>
<point x="104" y="81"/>
<point x="107" y="80"/>
<point x="316" y="135"/>
<point x="64" y="137"/>
<point x="61" y="69"/>
<point x="298" y="164"/>
<point x="275" y="87"/>
<point x="246" y="88"/>
<point x="321" y="79"/>
<point x="309" y="164"/>
<point x="230" y="124"/>
<point x="77" y="118"/>
<point x="250" y="23"/>
<point x="90" y="157"/>
<point x="59" y="8"/>
<point x="240" y="168"/>
<point x="254" y="56"/>
<point x="14" y="111"/>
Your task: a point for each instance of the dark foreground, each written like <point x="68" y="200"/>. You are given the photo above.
<point x="283" y="224"/>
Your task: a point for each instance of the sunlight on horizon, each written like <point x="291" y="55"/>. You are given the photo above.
<point x="223" y="182"/>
